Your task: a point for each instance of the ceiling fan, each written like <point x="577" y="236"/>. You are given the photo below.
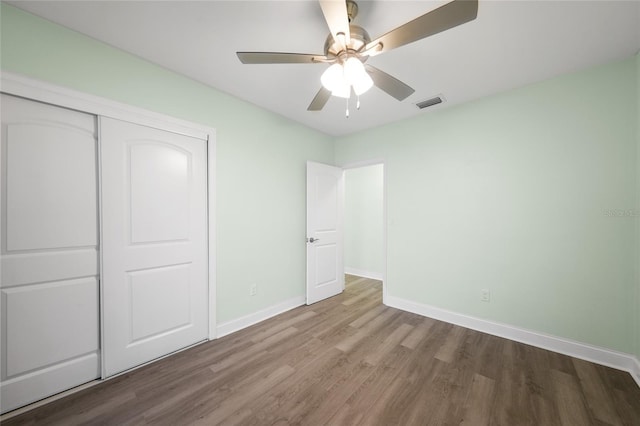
<point x="348" y="47"/>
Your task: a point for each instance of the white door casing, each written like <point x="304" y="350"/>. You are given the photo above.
<point x="154" y="235"/>
<point x="325" y="246"/>
<point x="49" y="251"/>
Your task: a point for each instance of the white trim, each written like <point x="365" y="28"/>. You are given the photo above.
<point x="103" y="373"/>
<point x="635" y="370"/>
<point x="211" y="192"/>
<point x="385" y="224"/>
<point x="18" y="411"/>
<point x="25" y="87"/>
<point x="41" y="91"/>
<point x="363" y="163"/>
<point x="598" y="355"/>
<point x="364" y="274"/>
<point x="261" y="315"/>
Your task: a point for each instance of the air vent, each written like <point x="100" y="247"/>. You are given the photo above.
<point x="430" y="102"/>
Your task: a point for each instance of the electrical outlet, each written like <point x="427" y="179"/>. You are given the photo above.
<point x="253" y="289"/>
<point x="485" y="295"/>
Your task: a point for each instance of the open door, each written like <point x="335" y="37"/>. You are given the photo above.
<point x="325" y="246"/>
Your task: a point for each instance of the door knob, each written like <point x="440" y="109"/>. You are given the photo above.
<point x="312" y="240"/>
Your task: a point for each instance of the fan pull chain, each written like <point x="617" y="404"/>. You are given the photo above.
<point x="347" y="112"/>
<point x="358" y="103"/>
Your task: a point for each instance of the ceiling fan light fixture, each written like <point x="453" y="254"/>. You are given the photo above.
<point x="333" y="77"/>
<point x="362" y="84"/>
<point x="342" y="91"/>
<point x="357" y="76"/>
<point x="339" y="78"/>
<point x="353" y="69"/>
<point x="348" y="46"/>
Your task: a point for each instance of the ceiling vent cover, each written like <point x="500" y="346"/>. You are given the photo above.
<point x="430" y="102"/>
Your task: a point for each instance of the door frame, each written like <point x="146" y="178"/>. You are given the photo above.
<point x="41" y="91"/>
<point x="375" y="162"/>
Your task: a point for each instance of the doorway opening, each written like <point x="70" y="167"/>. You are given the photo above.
<point x="365" y="250"/>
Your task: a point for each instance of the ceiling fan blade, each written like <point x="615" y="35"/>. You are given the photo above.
<point x="335" y="13"/>
<point x="443" y="18"/>
<point x="278" y="58"/>
<point x="319" y="100"/>
<point x="389" y="84"/>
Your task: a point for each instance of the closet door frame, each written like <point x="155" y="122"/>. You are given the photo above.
<point x="25" y="87"/>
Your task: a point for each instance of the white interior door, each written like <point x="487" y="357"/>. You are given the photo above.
<point x="49" y="251"/>
<point x="154" y="221"/>
<point x="325" y="245"/>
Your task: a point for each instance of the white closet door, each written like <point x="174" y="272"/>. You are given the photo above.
<point x="48" y="256"/>
<point x="154" y="218"/>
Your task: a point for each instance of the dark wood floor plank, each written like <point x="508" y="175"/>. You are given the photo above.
<point x="569" y="399"/>
<point x="540" y="385"/>
<point x="279" y="326"/>
<point x="598" y="397"/>
<point x="418" y="333"/>
<point x="254" y="349"/>
<point x="377" y="384"/>
<point x="389" y="343"/>
<point x="476" y="408"/>
<point x="366" y="330"/>
<point x="489" y="360"/>
<point x="349" y="360"/>
<point x="451" y="345"/>
<point x="248" y="392"/>
<point x="368" y="316"/>
<point x="357" y="297"/>
<point x="513" y="396"/>
<point x="335" y="377"/>
<point x="628" y="407"/>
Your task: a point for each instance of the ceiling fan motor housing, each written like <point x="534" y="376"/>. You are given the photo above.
<point x="359" y="39"/>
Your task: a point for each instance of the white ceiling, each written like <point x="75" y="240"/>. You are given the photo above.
<point x="510" y="44"/>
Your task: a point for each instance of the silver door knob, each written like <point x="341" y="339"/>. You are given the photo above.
<point x="313" y="240"/>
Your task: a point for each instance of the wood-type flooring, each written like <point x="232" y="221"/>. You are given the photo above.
<point x="349" y="360"/>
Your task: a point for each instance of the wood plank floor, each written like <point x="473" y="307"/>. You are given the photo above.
<point x="349" y="360"/>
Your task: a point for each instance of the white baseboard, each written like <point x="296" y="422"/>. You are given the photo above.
<point x="598" y="355"/>
<point x="363" y="274"/>
<point x="635" y="372"/>
<point x="256" y="317"/>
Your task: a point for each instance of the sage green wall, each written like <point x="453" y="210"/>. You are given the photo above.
<point x="512" y="193"/>
<point x="260" y="179"/>
<point x="363" y="220"/>
<point x="508" y="193"/>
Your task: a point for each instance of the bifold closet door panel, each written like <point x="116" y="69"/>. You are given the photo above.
<point x="49" y="251"/>
<point x="154" y="222"/>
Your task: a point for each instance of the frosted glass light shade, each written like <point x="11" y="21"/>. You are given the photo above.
<point x="333" y="77"/>
<point x="363" y="84"/>
<point x="357" y="76"/>
<point x="353" y="69"/>
<point x="342" y="90"/>
<point x="340" y="78"/>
